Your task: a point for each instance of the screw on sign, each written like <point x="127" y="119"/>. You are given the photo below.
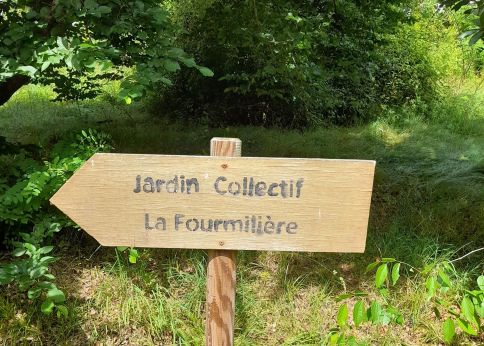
<point x="222" y="203"/>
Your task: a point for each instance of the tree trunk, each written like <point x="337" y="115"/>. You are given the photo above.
<point x="10" y="86"/>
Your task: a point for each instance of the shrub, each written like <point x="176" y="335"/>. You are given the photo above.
<point x="27" y="182"/>
<point x="300" y="63"/>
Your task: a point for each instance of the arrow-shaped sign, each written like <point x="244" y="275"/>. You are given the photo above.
<point x="221" y="202"/>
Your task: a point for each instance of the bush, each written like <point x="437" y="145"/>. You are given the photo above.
<point x="27" y="181"/>
<point x="296" y="64"/>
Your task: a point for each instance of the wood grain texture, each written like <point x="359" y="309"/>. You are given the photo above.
<point x="331" y="212"/>
<point x="220" y="295"/>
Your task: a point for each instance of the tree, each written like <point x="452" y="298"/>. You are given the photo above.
<point x="77" y="44"/>
<point x="474" y="8"/>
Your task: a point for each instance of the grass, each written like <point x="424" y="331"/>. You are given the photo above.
<point x="428" y="205"/>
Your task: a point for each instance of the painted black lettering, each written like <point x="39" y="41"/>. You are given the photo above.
<point x="219" y="179"/>
<point x="192" y="182"/>
<point x="160" y="222"/>
<point x="149" y="185"/>
<point x="270" y="191"/>
<point x="254" y="223"/>
<point x="279" y="227"/>
<point x="283" y="186"/>
<point x="217" y="223"/>
<point x="137" y="187"/>
<point x="235" y="191"/>
<point x="291" y="226"/>
<point x="159" y="184"/>
<point x="173" y="184"/>
<point x="269" y="225"/>
<point x="232" y="223"/>
<point x="299" y="185"/>
<point x="147" y="222"/>
<point x="194" y="227"/>
<point x="260" y="188"/>
<point x="178" y="221"/>
<point x="204" y="228"/>
<point x="251" y="186"/>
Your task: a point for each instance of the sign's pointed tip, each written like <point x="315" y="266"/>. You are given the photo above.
<point x="55" y="197"/>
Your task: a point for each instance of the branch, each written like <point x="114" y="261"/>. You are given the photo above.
<point x="10" y="86"/>
<point x="468" y="254"/>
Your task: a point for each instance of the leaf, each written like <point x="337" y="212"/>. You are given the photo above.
<point x="476" y="37"/>
<point x="47" y="306"/>
<point x="133" y="255"/>
<point x="444" y="279"/>
<point x="206" y="71"/>
<point x="5" y="278"/>
<point x="68" y="60"/>
<point x="103" y="9"/>
<point x="45" y="65"/>
<point x="56" y="295"/>
<point x="28" y="70"/>
<point x="431" y="286"/>
<point x="176" y="53"/>
<point x="121" y="248"/>
<point x="375" y="312"/>
<point x="467" y="33"/>
<point x="34" y="293"/>
<point x="468" y="310"/>
<point x="480" y="282"/>
<point x="334" y="338"/>
<point x="30" y="247"/>
<point x="466" y="327"/>
<point x="47" y="260"/>
<point x="449" y="330"/>
<point x="18" y="252"/>
<point x="188" y="62"/>
<point x="360" y="294"/>
<point x="62" y="311"/>
<point x="45" y="249"/>
<point x="342" y="315"/>
<point x="388" y="260"/>
<point x="37" y="272"/>
<point x="60" y="43"/>
<point x="351" y="341"/>
<point x="381" y="275"/>
<point x="46" y="285"/>
<point x="343" y="296"/>
<point x="395" y="273"/>
<point x="370" y="266"/>
<point x="171" y="65"/>
<point x="359" y="313"/>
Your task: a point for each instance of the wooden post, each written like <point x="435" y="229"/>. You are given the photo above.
<point x="220" y="305"/>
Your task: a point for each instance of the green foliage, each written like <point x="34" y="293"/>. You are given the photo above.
<point x="465" y="308"/>
<point x="78" y="44"/>
<point x="466" y="312"/>
<point x="133" y="254"/>
<point x="378" y="312"/>
<point x="474" y="9"/>
<point x="299" y="63"/>
<point x="31" y="274"/>
<point x="30" y="220"/>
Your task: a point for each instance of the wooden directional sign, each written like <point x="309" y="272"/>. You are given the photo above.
<point x="221" y="202"/>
